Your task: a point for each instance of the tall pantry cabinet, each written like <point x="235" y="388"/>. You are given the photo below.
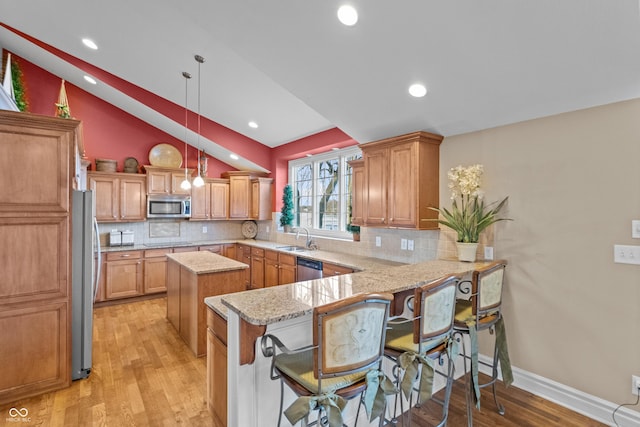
<point x="36" y="170"/>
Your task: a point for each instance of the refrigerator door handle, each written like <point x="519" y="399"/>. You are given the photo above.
<point x="96" y="279"/>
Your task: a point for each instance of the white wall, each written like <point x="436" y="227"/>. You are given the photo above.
<point x="573" y="182"/>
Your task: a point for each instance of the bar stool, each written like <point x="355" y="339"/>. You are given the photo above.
<point x="482" y="310"/>
<point x="415" y="345"/>
<point x="343" y="362"/>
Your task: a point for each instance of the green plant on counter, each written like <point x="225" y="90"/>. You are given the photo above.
<point x="287" y="217"/>
<point x="470" y="216"/>
<point x="18" y="87"/>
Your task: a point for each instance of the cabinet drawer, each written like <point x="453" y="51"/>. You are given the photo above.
<point x="329" y="270"/>
<point x="118" y="256"/>
<point x="257" y="252"/>
<point x="271" y="255"/>
<point x="287" y="259"/>
<point x="155" y="253"/>
<point x="218" y="325"/>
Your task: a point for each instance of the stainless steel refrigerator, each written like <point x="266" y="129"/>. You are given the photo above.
<point x="85" y="245"/>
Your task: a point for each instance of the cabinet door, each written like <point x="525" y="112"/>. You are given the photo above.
<point x="173" y="294"/>
<point x="133" y="204"/>
<point x="200" y="202"/>
<point x="217" y="378"/>
<point x="402" y="189"/>
<point x="158" y="182"/>
<point x="375" y="198"/>
<point x="230" y="250"/>
<point x="257" y="271"/>
<point x="102" y="283"/>
<point x="176" y="182"/>
<point x="123" y="277"/>
<point x="288" y="274"/>
<point x="106" y="197"/>
<point x="239" y="196"/>
<point x="155" y="275"/>
<point x="219" y="200"/>
<point x="271" y="272"/>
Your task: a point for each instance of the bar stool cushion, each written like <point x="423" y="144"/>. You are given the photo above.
<point x="400" y="338"/>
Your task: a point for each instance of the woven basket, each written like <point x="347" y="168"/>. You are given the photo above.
<point x="106" y="165"/>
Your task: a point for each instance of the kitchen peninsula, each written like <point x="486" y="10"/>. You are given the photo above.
<point x="286" y="312"/>
<point x="191" y="277"/>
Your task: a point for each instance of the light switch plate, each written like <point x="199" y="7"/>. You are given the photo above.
<point x="626" y="254"/>
<point x="488" y="252"/>
<point x="403" y="244"/>
<point x="635" y="228"/>
<point x="378" y="241"/>
<point x="410" y="245"/>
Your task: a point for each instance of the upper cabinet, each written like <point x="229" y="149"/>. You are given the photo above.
<point x="399" y="182"/>
<point x="249" y="195"/>
<point x="118" y="196"/>
<point x="357" y="193"/>
<point x="166" y="180"/>
<point x="211" y="201"/>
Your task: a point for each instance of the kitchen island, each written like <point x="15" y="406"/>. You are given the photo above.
<point x="286" y="311"/>
<point x="191" y="277"/>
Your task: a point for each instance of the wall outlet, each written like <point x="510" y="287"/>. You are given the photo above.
<point x="635" y="228"/>
<point x="488" y="253"/>
<point x="410" y="245"/>
<point x="635" y="384"/>
<point x="204" y="229"/>
<point x="378" y="241"/>
<point x="403" y="244"/>
<point x="626" y="254"/>
<point x="267" y="229"/>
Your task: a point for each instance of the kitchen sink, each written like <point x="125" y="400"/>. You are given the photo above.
<point x="292" y="248"/>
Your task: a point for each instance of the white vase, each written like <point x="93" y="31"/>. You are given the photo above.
<point x="467" y="251"/>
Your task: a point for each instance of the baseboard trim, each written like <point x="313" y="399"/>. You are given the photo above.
<point x="576" y="400"/>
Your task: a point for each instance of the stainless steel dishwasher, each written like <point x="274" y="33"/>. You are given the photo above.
<point x="309" y="269"/>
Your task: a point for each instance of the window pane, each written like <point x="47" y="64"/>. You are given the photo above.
<point x="303" y="196"/>
<point x="328" y="196"/>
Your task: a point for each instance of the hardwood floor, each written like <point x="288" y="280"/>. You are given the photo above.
<point x="144" y="375"/>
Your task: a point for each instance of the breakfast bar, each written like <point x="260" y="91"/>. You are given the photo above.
<point x="285" y="311"/>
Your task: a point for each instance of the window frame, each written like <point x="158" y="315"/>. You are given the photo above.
<point x="314" y="160"/>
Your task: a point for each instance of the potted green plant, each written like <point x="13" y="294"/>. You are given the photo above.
<point x="468" y="216"/>
<point x="286" y="213"/>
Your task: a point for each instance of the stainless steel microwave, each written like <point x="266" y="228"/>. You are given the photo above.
<point x="168" y="206"/>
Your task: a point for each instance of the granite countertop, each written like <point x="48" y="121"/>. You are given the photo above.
<point x="203" y="262"/>
<point x="163" y="245"/>
<point x="275" y="304"/>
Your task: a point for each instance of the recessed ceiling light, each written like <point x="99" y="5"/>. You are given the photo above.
<point x="253" y="124"/>
<point x="90" y="44"/>
<point x="234" y="156"/>
<point x="348" y="15"/>
<point x="418" y="90"/>
<point x="90" y="80"/>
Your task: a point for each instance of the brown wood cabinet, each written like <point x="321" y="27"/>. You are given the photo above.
<point x="186" y="291"/>
<point x="123" y="274"/>
<point x="217" y="367"/>
<point x="329" y="269"/>
<point x="279" y="268"/>
<point x="257" y="268"/>
<point x="211" y="201"/>
<point x="166" y="180"/>
<point x="119" y="197"/>
<point x="243" y="254"/>
<point x="35" y="257"/>
<point x="400" y="181"/>
<point x="155" y="270"/>
<point x="249" y="195"/>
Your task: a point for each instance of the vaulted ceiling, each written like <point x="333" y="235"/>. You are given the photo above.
<point x="295" y="70"/>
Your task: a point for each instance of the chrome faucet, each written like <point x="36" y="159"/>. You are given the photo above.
<point x="310" y="244"/>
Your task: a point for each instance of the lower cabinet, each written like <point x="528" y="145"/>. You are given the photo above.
<point x="329" y="270"/>
<point x="243" y="254"/>
<point x="217" y="367"/>
<point x="155" y="270"/>
<point x="279" y="268"/>
<point x="257" y="268"/>
<point x="123" y="274"/>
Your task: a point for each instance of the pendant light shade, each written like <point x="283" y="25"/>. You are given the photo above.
<point x="185" y="185"/>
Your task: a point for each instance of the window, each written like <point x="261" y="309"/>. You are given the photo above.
<point x="322" y="190"/>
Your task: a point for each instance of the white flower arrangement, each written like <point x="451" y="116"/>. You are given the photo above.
<point x="468" y="219"/>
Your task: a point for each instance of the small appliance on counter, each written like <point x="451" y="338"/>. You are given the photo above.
<point x="115" y="238"/>
<point x="127" y="238"/>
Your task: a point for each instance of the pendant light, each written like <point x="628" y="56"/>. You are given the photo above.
<point x="186" y="185"/>
<point x="198" y="181"/>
